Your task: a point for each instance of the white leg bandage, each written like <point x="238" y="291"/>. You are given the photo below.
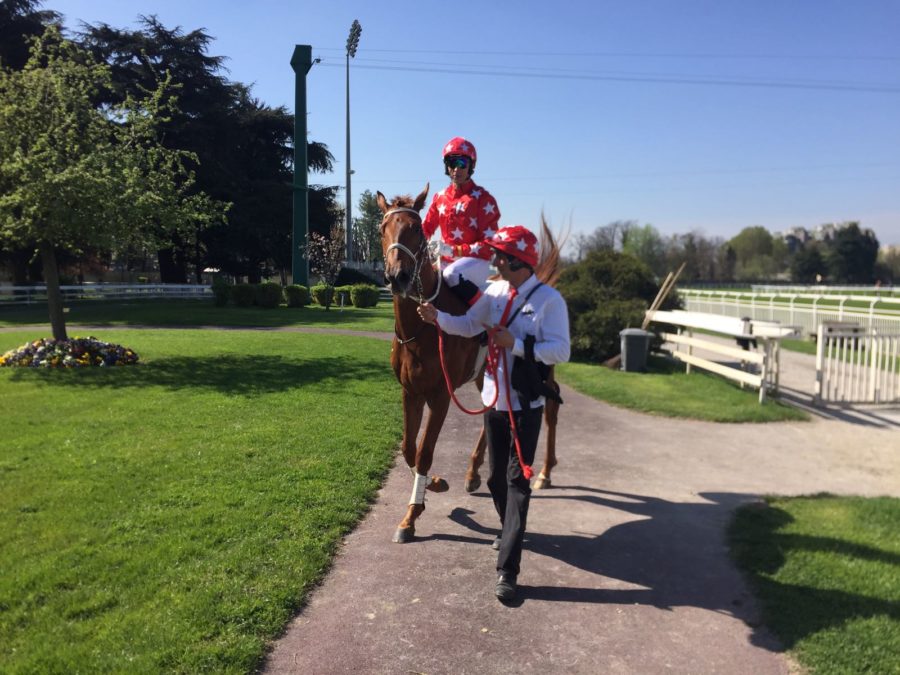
<point x="418" y="491"/>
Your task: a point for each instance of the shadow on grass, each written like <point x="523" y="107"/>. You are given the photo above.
<point x="675" y="555"/>
<point x="246" y="375"/>
<point x="795" y="612"/>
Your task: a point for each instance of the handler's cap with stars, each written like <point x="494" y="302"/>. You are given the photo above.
<point x="460" y="146"/>
<point x="517" y="241"/>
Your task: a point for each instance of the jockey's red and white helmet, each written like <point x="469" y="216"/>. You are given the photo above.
<point x="517" y="241"/>
<point x="460" y="146"/>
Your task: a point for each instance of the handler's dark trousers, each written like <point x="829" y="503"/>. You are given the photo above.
<point x="509" y="488"/>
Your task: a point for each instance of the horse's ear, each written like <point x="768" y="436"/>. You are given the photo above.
<point x="381" y="201"/>
<point x="420" y="200"/>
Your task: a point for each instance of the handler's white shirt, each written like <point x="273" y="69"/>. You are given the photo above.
<point x="544" y="315"/>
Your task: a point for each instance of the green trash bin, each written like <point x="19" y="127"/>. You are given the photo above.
<point x="635" y="347"/>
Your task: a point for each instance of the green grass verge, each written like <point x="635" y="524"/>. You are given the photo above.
<point x="204" y="313"/>
<point x="172" y="516"/>
<point x="667" y="390"/>
<point x="826" y="571"/>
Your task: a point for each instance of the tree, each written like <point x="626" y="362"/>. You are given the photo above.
<point x="607" y="237"/>
<point x="851" y="254"/>
<point x="73" y="175"/>
<point x="326" y="255"/>
<point x="807" y="264"/>
<point x="367" y="229"/>
<point x="647" y="245"/>
<point x="244" y="149"/>
<point x="20" y="22"/>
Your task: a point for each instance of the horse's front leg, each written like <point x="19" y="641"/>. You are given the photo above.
<point x="438" y="406"/>
<point x="476" y="459"/>
<point x="551" y="415"/>
<point x="413" y="407"/>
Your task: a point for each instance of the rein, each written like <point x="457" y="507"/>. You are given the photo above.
<point x="417" y="259"/>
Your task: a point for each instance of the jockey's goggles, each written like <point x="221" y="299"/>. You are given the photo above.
<point x="456" y="162"/>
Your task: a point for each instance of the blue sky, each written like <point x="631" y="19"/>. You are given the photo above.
<point x="697" y="115"/>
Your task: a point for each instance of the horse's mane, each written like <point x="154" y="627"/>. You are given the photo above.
<point x="548" y="267"/>
<point x="403" y="201"/>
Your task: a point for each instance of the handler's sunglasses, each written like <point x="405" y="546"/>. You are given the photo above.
<point x="456" y="162"/>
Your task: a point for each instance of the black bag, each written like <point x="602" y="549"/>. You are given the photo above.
<point x="529" y="377"/>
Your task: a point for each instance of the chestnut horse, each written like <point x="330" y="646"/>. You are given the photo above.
<point x="415" y="357"/>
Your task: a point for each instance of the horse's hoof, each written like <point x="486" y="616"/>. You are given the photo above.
<point x="542" y="483"/>
<point x="404" y="535"/>
<point x="438" y="485"/>
<point x="473" y="483"/>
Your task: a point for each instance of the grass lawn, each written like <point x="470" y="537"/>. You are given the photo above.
<point x="667" y="390"/>
<point x="203" y="313"/>
<point x="826" y="571"/>
<point x="172" y="516"/>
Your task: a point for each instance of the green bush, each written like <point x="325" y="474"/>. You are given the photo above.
<point x="364" y="295"/>
<point x="345" y="291"/>
<point x="322" y="294"/>
<point x="221" y="290"/>
<point x="297" y="295"/>
<point x="243" y="294"/>
<point x="606" y="293"/>
<point x="269" y="294"/>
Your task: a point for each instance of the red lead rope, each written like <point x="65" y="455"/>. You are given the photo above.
<point x="494" y="355"/>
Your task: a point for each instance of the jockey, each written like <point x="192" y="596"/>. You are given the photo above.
<point x="466" y="215"/>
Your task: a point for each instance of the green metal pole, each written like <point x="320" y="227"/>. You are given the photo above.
<point x="301" y="62"/>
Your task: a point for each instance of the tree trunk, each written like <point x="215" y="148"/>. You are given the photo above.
<point x="54" y="295"/>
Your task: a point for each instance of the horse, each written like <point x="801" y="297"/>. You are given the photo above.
<point x="415" y="355"/>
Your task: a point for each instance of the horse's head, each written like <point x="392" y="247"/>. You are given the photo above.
<point x="402" y="240"/>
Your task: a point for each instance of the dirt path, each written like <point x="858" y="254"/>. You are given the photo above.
<point x="625" y="569"/>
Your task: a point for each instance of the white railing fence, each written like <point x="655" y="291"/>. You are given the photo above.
<point x="806" y="310"/>
<point x="24" y="295"/>
<point x="857" y="368"/>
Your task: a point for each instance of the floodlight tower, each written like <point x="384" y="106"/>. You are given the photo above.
<point x="352" y="44"/>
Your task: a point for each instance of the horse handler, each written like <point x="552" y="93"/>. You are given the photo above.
<point x="529" y="324"/>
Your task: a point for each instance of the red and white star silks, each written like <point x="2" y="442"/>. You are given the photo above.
<point x="466" y="216"/>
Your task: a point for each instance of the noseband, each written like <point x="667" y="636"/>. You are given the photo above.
<point x="416" y="256"/>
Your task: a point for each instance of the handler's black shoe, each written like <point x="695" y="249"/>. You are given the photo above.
<point x="506" y="587"/>
<point x="496" y="544"/>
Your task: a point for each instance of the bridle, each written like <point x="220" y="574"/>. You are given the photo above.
<point x="417" y="256"/>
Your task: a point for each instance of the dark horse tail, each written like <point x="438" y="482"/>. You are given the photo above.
<point x="548" y="267"/>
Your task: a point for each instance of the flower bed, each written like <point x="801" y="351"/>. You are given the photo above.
<point x="75" y="352"/>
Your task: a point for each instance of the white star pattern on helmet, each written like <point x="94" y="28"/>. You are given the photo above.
<point x="442" y="209"/>
<point x="476" y="193"/>
<point x="489" y="207"/>
<point x="473" y="222"/>
<point x="448" y="148"/>
<point x="457" y="233"/>
<point x="488" y="233"/>
<point x="521" y="245"/>
<point x="459" y="207"/>
<point x="502" y="235"/>
<point x="464" y="147"/>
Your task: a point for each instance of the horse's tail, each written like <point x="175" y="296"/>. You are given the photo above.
<point x="548" y="267"/>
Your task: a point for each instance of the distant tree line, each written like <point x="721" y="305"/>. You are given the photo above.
<point x="237" y="150"/>
<point x="841" y="253"/>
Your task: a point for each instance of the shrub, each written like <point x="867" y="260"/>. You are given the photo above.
<point x="221" y="290"/>
<point x="606" y="293"/>
<point x="345" y="291"/>
<point x="243" y="294"/>
<point x="322" y="294"/>
<point x="297" y="295"/>
<point x="269" y="294"/>
<point x="364" y="295"/>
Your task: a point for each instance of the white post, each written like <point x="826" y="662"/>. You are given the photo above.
<point x="820" y="363"/>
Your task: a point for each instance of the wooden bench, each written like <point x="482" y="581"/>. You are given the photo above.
<point x="744" y="331"/>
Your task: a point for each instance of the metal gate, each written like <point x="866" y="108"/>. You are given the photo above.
<point x="857" y="367"/>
